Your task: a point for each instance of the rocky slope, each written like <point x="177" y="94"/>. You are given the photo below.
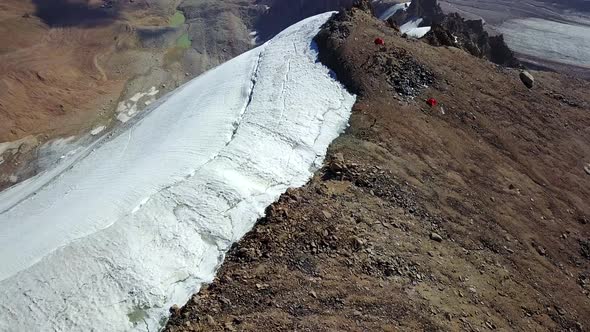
<point x="450" y="29"/>
<point x="428" y="10"/>
<point x="468" y="215"/>
<point x="470" y="35"/>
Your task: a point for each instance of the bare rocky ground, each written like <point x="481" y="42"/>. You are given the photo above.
<point x="471" y="215"/>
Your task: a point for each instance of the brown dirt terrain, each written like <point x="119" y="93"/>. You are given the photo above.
<point x="471" y="215"/>
<point x="51" y="79"/>
<point x="52" y="83"/>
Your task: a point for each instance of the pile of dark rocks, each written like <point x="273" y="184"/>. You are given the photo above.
<point x="403" y="72"/>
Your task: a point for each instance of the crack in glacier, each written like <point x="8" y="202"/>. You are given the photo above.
<point x="170" y="235"/>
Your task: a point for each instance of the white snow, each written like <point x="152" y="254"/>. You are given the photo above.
<point x="567" y="43"/>
<point x="97" y="130"/>
<point x="394" y="9"/>
<point x="253" y="37"/>
<point x="138" y="222"/>
<point x="411" y="28"/>
<point x="128" y="109"/>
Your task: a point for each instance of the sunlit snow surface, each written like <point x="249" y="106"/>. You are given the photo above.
<point x="145" y="217"/>
<point x="560" y="42"/>
<point x="412" y="29"/>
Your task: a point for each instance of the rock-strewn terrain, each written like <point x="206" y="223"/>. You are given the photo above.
<point x="469" y="215"/>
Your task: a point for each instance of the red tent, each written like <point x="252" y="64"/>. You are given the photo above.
<point x="379" y="41"/>
<point x="432" y="102"/>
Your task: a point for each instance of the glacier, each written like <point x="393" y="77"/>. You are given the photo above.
<point x="566" y="42"/>
<point x="110" y="239"/>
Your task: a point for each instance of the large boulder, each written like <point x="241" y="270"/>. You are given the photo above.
<point x="527" y="79"/>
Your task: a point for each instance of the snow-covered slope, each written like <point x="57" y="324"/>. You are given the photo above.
<point x="145" y="217"/>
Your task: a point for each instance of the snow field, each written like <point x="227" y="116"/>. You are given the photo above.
<point x="143" y="219"/>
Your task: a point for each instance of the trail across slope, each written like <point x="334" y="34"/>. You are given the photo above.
<point x="140" y="222"/>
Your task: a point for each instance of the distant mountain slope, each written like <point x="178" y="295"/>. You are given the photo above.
<point x="67" y="66"/>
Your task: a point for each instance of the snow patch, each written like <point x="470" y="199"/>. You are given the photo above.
<point x="393" y="10"/>
<point x="412" y="28"/>
<point x="97" y="130"/>
<point x="254" y="37"/>
<point x="137" y="223"/>
<point x="128" y="109"/>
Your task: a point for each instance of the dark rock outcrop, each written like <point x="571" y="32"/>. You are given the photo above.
<point x="471" y="36"/>
<point x="428" y="10"/>
<point x="330" y="40"/>
<point x="453" y="30"/>
<point x="364" y="5"/>
<point x="401" y="70"/>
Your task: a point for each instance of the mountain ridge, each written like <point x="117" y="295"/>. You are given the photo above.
<point x="468" y="213"/>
